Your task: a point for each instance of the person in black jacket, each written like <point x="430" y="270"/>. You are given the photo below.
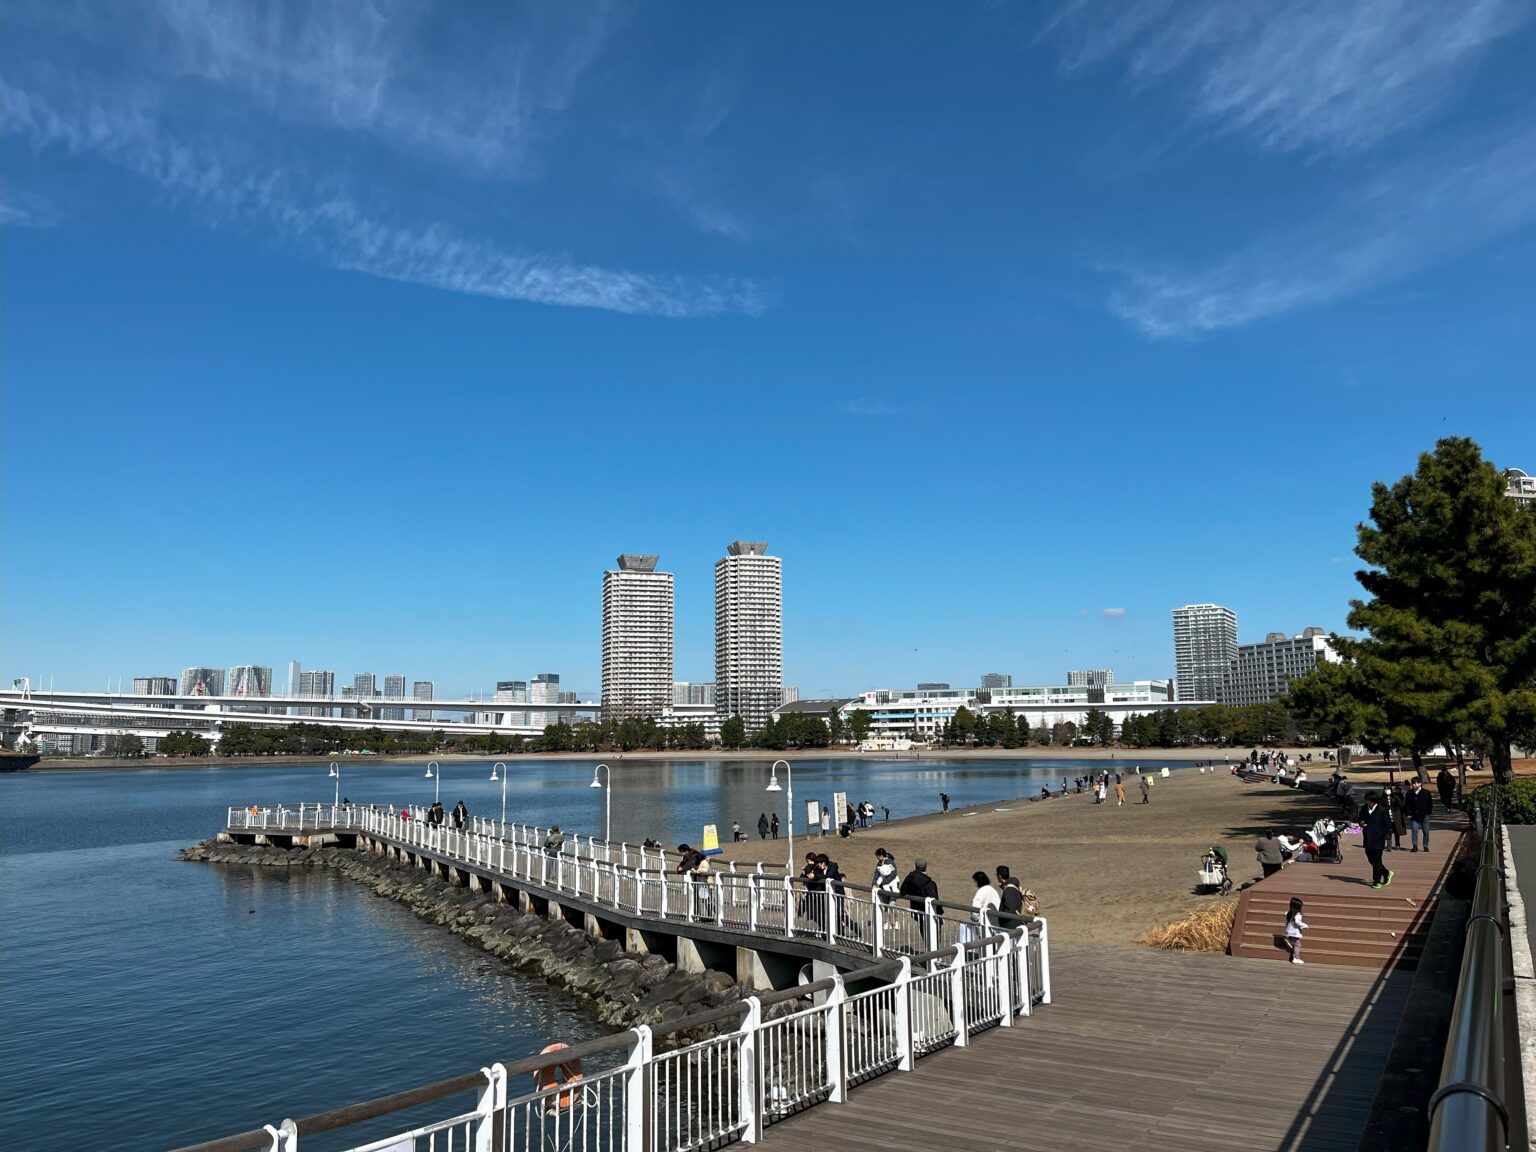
<point x="1419" y="804"/>
<point x="1376" y="826"/>
<point x="920" y="886"/>
<point x="1447" y="785"/>
<point x="1012" y="914"/>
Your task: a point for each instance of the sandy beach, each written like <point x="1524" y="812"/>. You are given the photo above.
<point x="1104" y="874"/>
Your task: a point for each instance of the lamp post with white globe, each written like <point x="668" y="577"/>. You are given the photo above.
<point x="789" y="803"/>
<point x="502" y="767"/>
<point x="606" y="784"/>
<point x="435" y="774"/>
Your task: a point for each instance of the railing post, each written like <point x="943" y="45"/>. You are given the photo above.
<point x="752" y="899"/>
<point x="1045" y="961"/>
<point x="789" y="909"/>
<point x="903" y="1002"/>
<point x="492" y="1108"/>
<point x="930" y="926"/>
<point x="957" y="1013"/>
<point x="1021" y="974"/>
<point x="719" y="883"/>
<point x="877" y="914"/>
<point x="1005" y="973"/>
<point x="663" y="882"/>
<point x="748" y="1094"/>
<point x="636" y="1111"/>
<point x="832" y="1038"/>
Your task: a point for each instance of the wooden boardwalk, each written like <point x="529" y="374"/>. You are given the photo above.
<point x="1349" y="922"/>
<point x="1143" y="1050"/>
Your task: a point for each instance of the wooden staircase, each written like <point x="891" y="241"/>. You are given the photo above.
<point x="1349" y="922"/>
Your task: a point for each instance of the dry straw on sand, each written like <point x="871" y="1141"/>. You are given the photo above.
<point x="1205" y="930"/>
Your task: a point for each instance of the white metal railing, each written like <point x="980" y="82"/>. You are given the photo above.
<point x="293" y="817"/>
<point x="772" y="1055"/>
<point x="644" y="882"/>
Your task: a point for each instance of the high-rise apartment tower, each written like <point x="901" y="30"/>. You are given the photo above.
<point x="1204" y="648"/>
<point x="749" y="633"/>
<point x="637" y="639"/>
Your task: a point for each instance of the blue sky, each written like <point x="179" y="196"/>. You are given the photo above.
<point x="368" y="334"/>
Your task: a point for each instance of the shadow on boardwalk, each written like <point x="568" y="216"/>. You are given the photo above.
<point x="1144" y="1049"/>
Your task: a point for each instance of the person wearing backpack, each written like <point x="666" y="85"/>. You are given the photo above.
<point x="1012" y="897"/>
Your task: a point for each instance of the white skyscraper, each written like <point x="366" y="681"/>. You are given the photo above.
<point x="249" y="680"/>
<point x="637" y="639"/>
<point x="202" y="682"/>
<point x="422" y="690"/>
<point x="544" y="689"/>
<point x="749" y="633"/>
<point x="394" y="689"/>
<point x="1204" y="649"/>
<point x="316" y="683"/>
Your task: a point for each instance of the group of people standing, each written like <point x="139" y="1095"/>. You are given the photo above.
<point x="435" y="815"/>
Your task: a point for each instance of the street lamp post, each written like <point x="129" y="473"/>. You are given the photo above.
<point x="606" y="784"/>
<point x="501" y="764"/>
<point x="435" y="774"/>
<point x="335" y="774"/>
<point x="789" y="803"/>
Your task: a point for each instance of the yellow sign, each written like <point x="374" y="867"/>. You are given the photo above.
<point x="711" y="840"/>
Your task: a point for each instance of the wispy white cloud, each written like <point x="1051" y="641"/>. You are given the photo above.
<point x="325" y="219"/>
<point x="17" y="211"/>
<point x="1418" y="215"/>
<point x="479" y="94"/>
<point x="1318" y="75"/>
<point x="872" y="406"/>
<point x="1112" y="613"/>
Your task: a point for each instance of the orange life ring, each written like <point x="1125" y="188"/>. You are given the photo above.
<point x="553" y="1075"/>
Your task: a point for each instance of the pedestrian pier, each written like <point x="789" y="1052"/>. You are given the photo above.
<point x="915" y="1029"/>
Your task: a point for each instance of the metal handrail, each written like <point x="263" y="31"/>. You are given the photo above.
<point x="1468" y="1110"/>
<point x="977" y="990"/>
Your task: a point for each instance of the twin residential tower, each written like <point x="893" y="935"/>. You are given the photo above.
<point x="638" y="636"/>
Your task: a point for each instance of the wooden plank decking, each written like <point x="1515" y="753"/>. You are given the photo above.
<point x="1349" y="921"/>
<point x="1143" y="1050"/>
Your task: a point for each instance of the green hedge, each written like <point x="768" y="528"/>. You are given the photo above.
<point x="1517" y="799"/>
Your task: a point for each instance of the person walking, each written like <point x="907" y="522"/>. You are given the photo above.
<point x="1294" y="927"/>
<point x="944" y="800"/>
<point x="1375" y="827"/>
<point x="762" y="826"/>
<point x="460" y="815"/>
<point x="1395" y="811"/>
<point x="1419" y="804"/>
<point x="1446" y="783"/>
<point x="1146" y="791"/>
<point x="735" y="832"/>
<point x="1270" y="855"/>
<point x="1119" y="793"/>
<point x="773" y="827"/>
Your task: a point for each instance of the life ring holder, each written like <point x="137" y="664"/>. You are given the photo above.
<point x="554" y="1076"/>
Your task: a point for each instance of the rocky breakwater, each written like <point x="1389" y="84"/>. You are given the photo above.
<point x="624" y="988"/>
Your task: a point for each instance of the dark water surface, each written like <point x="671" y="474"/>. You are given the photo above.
<point x="146" y="1003"/>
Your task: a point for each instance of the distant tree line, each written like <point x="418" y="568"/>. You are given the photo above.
<point x="1216" y="724"/>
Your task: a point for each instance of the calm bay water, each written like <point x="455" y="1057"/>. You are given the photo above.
<point x="147" y="1003"/>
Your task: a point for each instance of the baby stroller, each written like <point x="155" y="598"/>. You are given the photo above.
<point x="1213" y="873"/>
<point x="1324" y="842"/>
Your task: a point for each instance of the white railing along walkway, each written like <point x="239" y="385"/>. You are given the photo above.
<point x="762" y="1068"/>
<point x="853" y="918"/>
